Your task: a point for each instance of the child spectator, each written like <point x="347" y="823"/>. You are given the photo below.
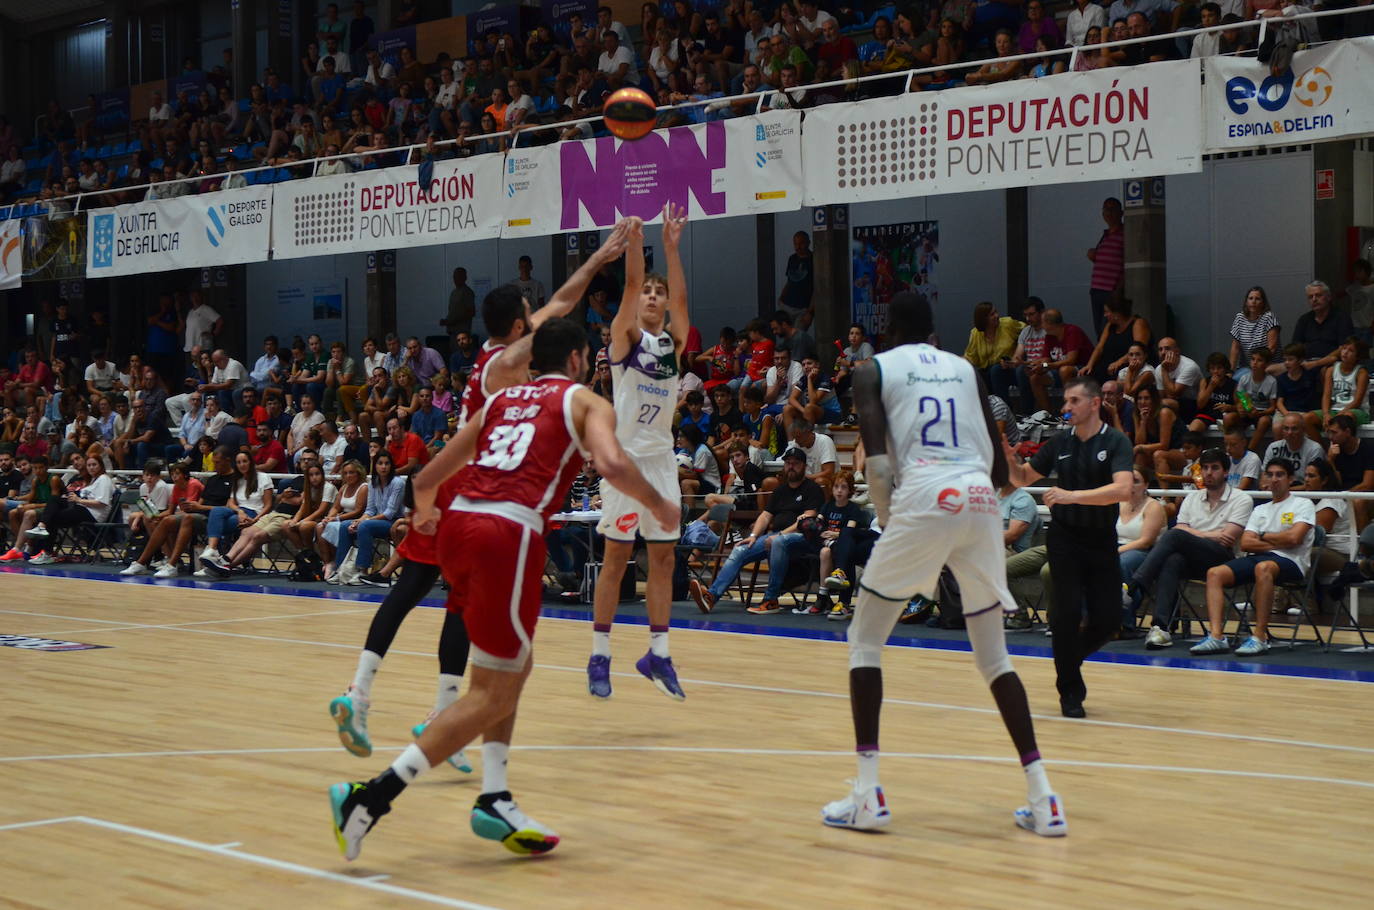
<point x="1243" y="470"/>
<point x="1256" y="398"/>
<point x="1299" y="389"/>
<point x="846" y="542"/>
<point x="1345" y="385"/>
<point x="1180" y="468"/>
<point x="1217" y="397"/>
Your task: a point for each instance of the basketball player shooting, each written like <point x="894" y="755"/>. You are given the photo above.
<point x="647" y="337"/>
<point x="934" y="465"/>
<point x="518" y="458"/>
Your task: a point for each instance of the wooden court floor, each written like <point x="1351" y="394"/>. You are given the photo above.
<point x="186" y="764"/>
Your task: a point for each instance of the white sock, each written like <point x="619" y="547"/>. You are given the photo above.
<point x="658" y="643"/>
<point x="447" y="692"/>
<point x="411" y="764"/>
<point x="494" y="767"/>
<point x="1037" y="781"/>
<point x="368" y="662"/>
<point x="601" y="644"/>
<point x="868" y="770"/>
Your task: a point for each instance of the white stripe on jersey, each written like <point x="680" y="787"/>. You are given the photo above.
<point x="935" y="423"/>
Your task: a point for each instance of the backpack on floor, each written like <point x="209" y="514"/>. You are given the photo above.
<point x="309" y="567"/>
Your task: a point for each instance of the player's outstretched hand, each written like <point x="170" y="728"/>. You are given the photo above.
<point x="616" y="241"/>
<point x="674" y="218"/>
<point x="426" y="519"/>
<point x="667" y="513"/>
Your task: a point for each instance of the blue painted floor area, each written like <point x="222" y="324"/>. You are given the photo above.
<point x="1307" y="660"/>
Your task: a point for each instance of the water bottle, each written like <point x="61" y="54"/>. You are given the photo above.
<point x="586" y="502"/>
<point x="1244" y="399"/>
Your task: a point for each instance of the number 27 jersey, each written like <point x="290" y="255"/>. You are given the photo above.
<point x="935" y="422"/>
<point x="527" y="453"/>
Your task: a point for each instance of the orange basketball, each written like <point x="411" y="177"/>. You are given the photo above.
<point x="629" y="113"/>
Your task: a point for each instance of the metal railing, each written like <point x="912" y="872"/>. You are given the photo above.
<point x="759" y="97"/>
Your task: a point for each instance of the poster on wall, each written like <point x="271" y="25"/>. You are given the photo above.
<point x="310" y="307"/>
<point x="744" y="166"/>
<point x="888" y="259"/>
<point x="11" y="254"/>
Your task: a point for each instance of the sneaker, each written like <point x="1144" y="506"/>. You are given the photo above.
<point x="801" y="609"/>
<point x="136" y="568"/>
<point x="12" y="555"/>
<point x="375" y="579"/>
<point x="44" y="558"/>
<point x="495" y="816"/>
<point x="599" y="676"/>
<point x="1210" y="645"/>
<point x="1045" y="817"/>
<point x="1252" y="647"/>
<point x="660" y="671"/>
<point x="458" y="759"/>
<point x="1157" y="639"/>
<point x="38" y="533"/>
<point x="765" y="608"/>
<point x="840" y="612"/>
<point x="820" y="606"/>
<point x="353" y="817"/>
<point x="706" y="601"/>
<point x="202" y="572"/>
<point x="158" y="563"/>
<point x="216" y="567"/>
<point x="918" y="611"/>
<point x="209" y="553"/>
<point x="170" y="570"/>
<point x="1018" y="622"/>
<point x="349" y="711"/>
<point x="864" y="810"/>
<point x="836" y="581"/>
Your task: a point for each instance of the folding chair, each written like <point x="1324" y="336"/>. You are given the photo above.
<point x="88" y="542"/>
<point x="1306" y="593"/>
<point x="803" y="571"/>
<point x="1344" y="610"/>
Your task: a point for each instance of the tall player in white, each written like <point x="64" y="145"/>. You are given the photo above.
<point x="647" y="337"/>
<point x="934" y="465"/>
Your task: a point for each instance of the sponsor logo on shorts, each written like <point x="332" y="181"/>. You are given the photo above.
<point x="627" y="523"/>
<point x="983" y="499"/>
<point x="950" y="500"/>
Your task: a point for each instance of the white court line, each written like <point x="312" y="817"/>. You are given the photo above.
<point x="126" y="626"/>
<point x="1055" y="718"/>
<point x="372" y="882"/>
<point x="715" y="750"/>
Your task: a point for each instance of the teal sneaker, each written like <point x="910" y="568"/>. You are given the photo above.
<point x="495" y="816"/>
<point x="458" y="759"/>
<point x="353" y="817"/>
<point x="349" y="711"/>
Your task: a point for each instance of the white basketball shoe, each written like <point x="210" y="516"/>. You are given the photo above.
<point x="862" y="810"/>
<point x="1044" y="816"/>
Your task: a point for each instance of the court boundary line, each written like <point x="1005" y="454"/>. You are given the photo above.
<point x="1055" y="718"/>
<point x="372" y="882"/>
<point x="562" y="614"/>
<point x="720" y="750"/>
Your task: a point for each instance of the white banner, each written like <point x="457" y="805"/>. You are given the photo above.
<point x="386" y="208"/>
<point x="742" y="166"/>
<point x="1328" y="94"/>
<point x="1116" y="123"/>
<point x="218" y="228"/>
<point x="11" y="253"/>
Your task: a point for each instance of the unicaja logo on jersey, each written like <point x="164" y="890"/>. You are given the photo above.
<point x="950" y="500"/>
<point x="626" y="523"/>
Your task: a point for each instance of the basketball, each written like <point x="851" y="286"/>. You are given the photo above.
<point x="629" y="113"/>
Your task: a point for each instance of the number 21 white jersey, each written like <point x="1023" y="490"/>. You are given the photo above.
<point x="935" y="423"/>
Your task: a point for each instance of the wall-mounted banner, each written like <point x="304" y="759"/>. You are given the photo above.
<point x="744" y="166"/>
<point x="220" y="228"/>
<point x="1326" y="95"/>
<point x="11" y="253"/>
<point x="1105" y="125"/>
<point x="386" y="208"/>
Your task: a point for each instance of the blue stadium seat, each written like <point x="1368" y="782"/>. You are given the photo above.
<point x="282" y="175"/>
<point x="156" y="162"/>
<point x="245" y="105"/>
<point x="135" y="145"/>
<point x="104" y="151"/>
<point x="122" y="172"/>
<point x="120" y="148"/>
<point x="243" y="152"/>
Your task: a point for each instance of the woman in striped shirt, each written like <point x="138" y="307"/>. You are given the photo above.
<point x="1255" y="326"/>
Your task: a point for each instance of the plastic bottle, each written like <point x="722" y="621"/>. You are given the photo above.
<point x="586" y="502"/>
<point x="1243" y="398"/>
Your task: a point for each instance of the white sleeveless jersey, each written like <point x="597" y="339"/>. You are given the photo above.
<point x="935" y="423"/>
<point x="644" y="388"/>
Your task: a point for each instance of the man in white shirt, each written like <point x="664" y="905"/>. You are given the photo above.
<point x="379" y="73"/>
<point x="617" y="62"/>
<point x="821" y="458"/>
<point x="159" y="118"/>
<point x="100" y="375"/>
<point x="530" y="287"/>
<point x="756" y="38"/>
<point x="1207" y="44"/>
<point x="606" y="22"/>
<point x="812" y="19"/>
<point x="779" y="380"/>
<point x="332" y="446"/>
<point x="1278" y="538"/>
<point x="203" y="323"/>
<point x="520" y="107"/>
<point x="227" y="380"/>
<point x="343" y="65"/>
<point x="1294" y="446"/>
<point x="1210" y="521"/>
<point x="1177" y="377"/>
<point x="1085" y="15"/>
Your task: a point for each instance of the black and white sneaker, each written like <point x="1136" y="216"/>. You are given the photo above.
<point x="353" y="816"/>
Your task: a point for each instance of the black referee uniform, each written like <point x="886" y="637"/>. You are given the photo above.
<point x="1081" y="546"/>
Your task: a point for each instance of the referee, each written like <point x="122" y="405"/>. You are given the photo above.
<point x="1093" y="464"/>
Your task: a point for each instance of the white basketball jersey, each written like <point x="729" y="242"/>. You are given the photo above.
<point x="644" y="387"/>
<point x="935" y="423"/>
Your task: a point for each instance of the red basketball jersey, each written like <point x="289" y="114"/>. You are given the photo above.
<point x="475" y="393"/>
<point x="527" y="454"/>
